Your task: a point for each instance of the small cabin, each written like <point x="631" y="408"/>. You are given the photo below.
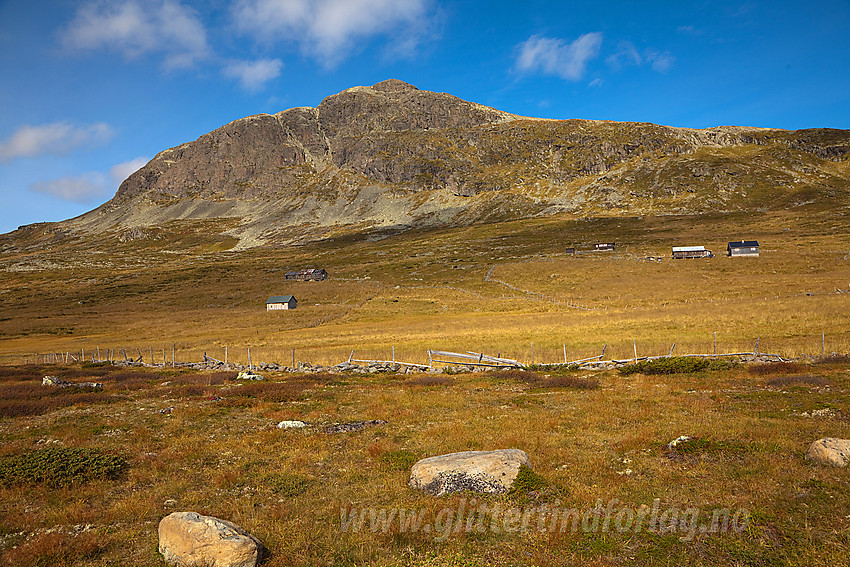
<point x="743" y="248"/>
<point x="603" y="246"/>
<point x="571" y="250"/>
<point x="684" y="252"/>
<point x="276" y="302"/>
<point x="310" y="274"/>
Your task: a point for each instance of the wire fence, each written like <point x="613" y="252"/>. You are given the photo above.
<point x="544" y="353"/>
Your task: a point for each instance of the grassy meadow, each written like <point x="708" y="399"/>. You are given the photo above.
<point x="172" y="439"/>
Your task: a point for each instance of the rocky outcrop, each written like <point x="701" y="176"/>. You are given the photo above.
<point x="830" y="451"/>
<point x="489" y="472"/>
<point x="188" y="539"/>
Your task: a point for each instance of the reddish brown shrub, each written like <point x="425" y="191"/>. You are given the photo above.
<point x="54" y="550"/>
<point x="430" y="381"/>
<point x="769" y="368"/>
<point x="798" y="380"/>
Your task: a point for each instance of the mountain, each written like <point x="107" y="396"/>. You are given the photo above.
<point x="391" y="157"/>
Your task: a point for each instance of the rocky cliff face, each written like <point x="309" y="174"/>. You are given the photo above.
<point x="391" y="155"/>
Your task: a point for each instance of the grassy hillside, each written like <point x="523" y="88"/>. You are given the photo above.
<point x="430" y="289"/>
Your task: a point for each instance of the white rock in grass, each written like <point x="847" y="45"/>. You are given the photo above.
<point x="490" y="472"/>
<point x="248" y="375"/>
<point x="678" y="441"/>
<point x="188" y="539"/>
<point x="830" y="451"/>
<point x="291" y="424"/>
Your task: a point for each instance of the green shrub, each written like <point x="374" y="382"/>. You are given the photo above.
<point x="58" y="466"/>
<point x="527" y="481"/>
<point x="401" y="460"/>
<point x="667" y="365"/>
<point x="286" y="484"/>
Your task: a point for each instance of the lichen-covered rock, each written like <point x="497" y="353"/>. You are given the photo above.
<point x="830" y="451"/>
<point x="188" y="539"/>
<point x="59" y="383"/>
<point x="490" y="472"/>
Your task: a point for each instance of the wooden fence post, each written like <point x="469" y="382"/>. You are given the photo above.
<point x="250" y="364"/>
<point x="565" y="353"/>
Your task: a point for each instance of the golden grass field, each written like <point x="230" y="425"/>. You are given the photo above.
<point x="429" y="289"/>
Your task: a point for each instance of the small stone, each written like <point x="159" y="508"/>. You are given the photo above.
<point x="830" y="451"/>
<point x="294" y="424"/>
<point x="188" y="539"/>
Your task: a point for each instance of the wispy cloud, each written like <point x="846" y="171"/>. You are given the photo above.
<point x="89" y="186"/>
<point x="553" y="56"/>
<point x="58" y="138"/>
<point x="628" y="54"/>
<point x="134" y="28"/>
<point x="80" y="189"/>
<point x="119" y="172"/>
<point x="253" y="75"/>
<point x="327" y="29"/>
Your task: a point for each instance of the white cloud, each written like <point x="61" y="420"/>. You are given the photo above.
<point x="627" y="54"/>
<point x="134" y="28"/>
<point x="552" y="56"/>
<point x="58" y="138"/>
<point x="659" y="62"/>
<point x="327" y="29"/>
<point x="89" y="186"/>
<point x="81" y="189"/>
<point x="253" y="75"/>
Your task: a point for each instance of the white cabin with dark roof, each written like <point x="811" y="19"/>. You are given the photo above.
<point x="277" y="302"/>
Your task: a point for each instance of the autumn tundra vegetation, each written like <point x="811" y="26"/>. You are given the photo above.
<point x="656" y="459"/>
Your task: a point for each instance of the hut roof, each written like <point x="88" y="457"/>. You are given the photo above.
<point x="280" y="299"/>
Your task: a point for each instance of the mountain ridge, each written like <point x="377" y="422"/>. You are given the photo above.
<point x="392" y="157"/>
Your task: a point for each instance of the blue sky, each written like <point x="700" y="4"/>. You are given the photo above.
<point x="90" y="90"/>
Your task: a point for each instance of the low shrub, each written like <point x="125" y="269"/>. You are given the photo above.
<point x="526" y="376"/>
<point x="31" y="398"/>
<point x="667" y="365"/>
<point x="401" y="460"/>
<point x="800" y="380"/>
<point x="527" y="481"/>
<point x="834" y="359"/>
<point x="430" y="380"/>
<point x="772" y="368"/>
<point x="576" y="382"/>
<point x="60" y="466"/>
<point x="702" y="446"/>
<point x="286" y="484"/>
<point x="55" y="550"/>
<point x="289" y="391"/>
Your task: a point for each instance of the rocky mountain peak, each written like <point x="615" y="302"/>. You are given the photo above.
<point x="393" y="155"/>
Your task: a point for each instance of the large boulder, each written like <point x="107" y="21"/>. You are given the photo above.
<point x="188" y="539"/>
<point x="830" y="451"/>
<point x="490" y="472"/>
